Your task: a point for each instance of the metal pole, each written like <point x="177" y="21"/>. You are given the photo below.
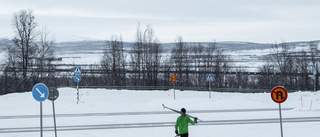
<point x="280" y="119"/>
<point x="314" y="83"/>
<point x="212" y="86"/>
<point x="316" y="78"/>
<point x="174" y="92"/>
<point x="77" y="93"/>
<point x="41" y="133"/>
<point x="209" y="89"/>
<point x="54" y="119"/>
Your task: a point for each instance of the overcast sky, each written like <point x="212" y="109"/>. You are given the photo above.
<point x="264" y="21"/>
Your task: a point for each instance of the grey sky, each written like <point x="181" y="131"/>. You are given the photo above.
<point x="195" y="20"/>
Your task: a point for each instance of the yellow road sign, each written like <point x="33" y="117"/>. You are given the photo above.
<point x="173" y="78"/>
<point x="279" y="94"/>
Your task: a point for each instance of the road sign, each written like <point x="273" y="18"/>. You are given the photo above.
<point x="173" y="78"/>
<point x="279" y="94"/>
<point x="77" y="70"/>
<point x="40" y="92"/>
<point x="209" y="77"/>
<point x="314" y="71"/>
<point x="53" y="94"/>
<point x="77" y="78"/>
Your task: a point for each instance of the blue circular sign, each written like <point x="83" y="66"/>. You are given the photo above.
<point x="40" y="92"/>
<point x="77" y="78"/>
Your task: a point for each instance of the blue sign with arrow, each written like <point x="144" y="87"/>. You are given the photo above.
<point x="77" y="78"/>
<point x="40" y="92"/>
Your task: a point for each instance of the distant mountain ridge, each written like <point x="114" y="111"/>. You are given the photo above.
<point x="98" y="45"/>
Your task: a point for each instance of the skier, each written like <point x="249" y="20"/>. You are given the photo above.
<point x="182" y="123"/>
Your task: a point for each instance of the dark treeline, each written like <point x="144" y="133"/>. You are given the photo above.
<point x="146" y="64"/>
<point x="294" y="67"/>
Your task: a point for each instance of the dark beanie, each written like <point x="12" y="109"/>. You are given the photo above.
<point x="183" y="110"/>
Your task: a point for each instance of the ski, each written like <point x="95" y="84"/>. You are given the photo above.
<point x="165" y="107"/>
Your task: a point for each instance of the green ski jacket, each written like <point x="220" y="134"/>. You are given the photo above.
<point x="182" y="124"/>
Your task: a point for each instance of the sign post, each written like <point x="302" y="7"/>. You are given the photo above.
<point x="174" y="79"/>
<point x="53" y="95"/>
<point x="40" y="93"/>
<point x="314" y="79"/>
<point x="209" y="79"/>
<point x="77" y="78"/>
<point x="279" y="95"/>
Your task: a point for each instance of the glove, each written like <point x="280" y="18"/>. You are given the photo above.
<point x="196" y="119"/>
<point x="176" y="132"/>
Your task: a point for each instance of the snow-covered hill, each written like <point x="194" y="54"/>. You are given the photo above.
<point x="246" y="55"/>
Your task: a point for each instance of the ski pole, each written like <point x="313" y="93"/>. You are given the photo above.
<point x="179" y="112"/>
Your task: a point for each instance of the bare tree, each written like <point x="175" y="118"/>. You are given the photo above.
<point x="12" y="77"/>
<point x="145" y="57"/>
<point x="43" y="60"/>
<point x="268" y="80"/>
<point x="314" y="53"/>
<point x="113" y="61"/>
<point x="280" y="57"/>
<point x="221" y="67"/>
<point x="302" y="61"/>
<point x="137" y="57"/>
<point x="179" y="55"/>
<point x="24" y="26"/>
<point x="293" y="67"/>
<point x="209" y="56"/>
<point x="198" y="63"/>
<point x="152" y="55"/>
<point x="242" y="79"/>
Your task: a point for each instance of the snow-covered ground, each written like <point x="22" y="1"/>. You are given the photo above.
<point x="78" y="58"/>
<point x="120" y="103"/>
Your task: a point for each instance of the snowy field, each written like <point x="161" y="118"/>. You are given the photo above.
<point x="100" y="108"/>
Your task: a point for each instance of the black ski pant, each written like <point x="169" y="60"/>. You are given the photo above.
<point x="184" y="135"/>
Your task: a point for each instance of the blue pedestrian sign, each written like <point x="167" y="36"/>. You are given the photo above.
<point x="40" y="92"/>
<point x="209" y="77"/>
<point x="77" y="70"/>
<point x="77" y="78"/>
<point x="314" y="71"/>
